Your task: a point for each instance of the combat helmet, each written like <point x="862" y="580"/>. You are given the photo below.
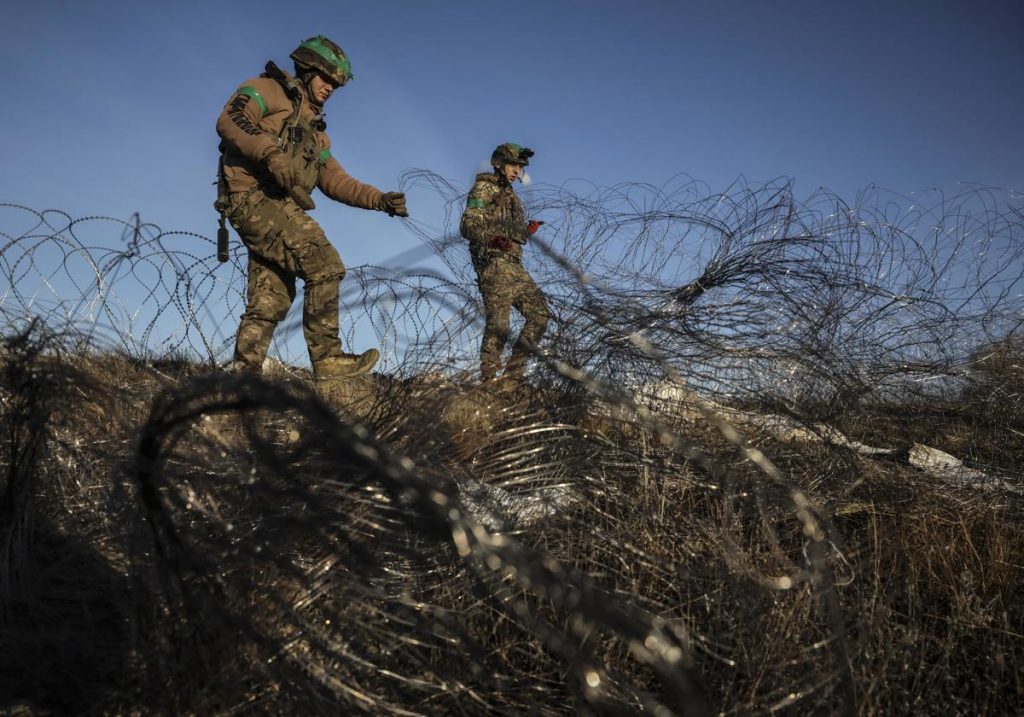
<point x="320" y="54"/>
<point x="510" y="153"/>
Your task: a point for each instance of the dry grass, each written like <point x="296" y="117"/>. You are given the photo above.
<point x="177" y="541"/>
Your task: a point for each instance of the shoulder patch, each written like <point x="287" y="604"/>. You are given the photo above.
<point x="475" y="203"/>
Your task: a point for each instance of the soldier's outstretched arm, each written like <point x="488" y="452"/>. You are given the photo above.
<point x="342" y="187"/>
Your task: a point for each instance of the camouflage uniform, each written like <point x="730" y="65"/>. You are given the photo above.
<point x="284" y="243"/>
<point x="271" y="114"/>
<point x="495" y="226"/>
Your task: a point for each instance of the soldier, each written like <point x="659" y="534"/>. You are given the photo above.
<point x="495" y="226"/>
<point x="274" y="151"/>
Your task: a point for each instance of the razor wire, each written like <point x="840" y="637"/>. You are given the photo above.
<point x="129" y="286"/>
<point x="586" y="547"/>
<point x="738" y="287"/>
<point x="750" y="290"/>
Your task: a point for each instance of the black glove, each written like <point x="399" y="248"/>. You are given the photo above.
<point x="281" y="169"/>
<point x="393" y="203"/>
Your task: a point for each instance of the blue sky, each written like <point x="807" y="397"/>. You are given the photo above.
<point x="110" y="106"/>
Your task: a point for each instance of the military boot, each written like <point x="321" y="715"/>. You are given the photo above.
<point x="242" y="368"/>
<point x="346" y="365"/>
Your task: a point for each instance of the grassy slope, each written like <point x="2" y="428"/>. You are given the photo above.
<point x="917" y="608"/>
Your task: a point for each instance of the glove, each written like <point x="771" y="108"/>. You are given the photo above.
<point x="533" y="226"/>
<point x="281" y="169"/>
<point x="393" y="203"/>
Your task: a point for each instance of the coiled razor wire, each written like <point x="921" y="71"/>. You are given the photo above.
<point x="605" y="542"/>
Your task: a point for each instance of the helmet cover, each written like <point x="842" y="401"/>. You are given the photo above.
<point x="510" y="153"/>
<point x="320" y="54"/>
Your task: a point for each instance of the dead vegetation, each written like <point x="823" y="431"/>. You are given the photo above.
<point x="177" y="540"/>
<point x="770" y="461"/>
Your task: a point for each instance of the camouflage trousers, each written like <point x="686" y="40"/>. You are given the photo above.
<point x="285" y="243"/>
<point x="504" y="283"/>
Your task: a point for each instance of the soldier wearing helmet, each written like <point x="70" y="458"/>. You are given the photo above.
<point x="275" y="150"/>
<point x="496" y="228"/>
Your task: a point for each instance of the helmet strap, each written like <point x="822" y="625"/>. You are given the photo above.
<point x="305" y="76"/>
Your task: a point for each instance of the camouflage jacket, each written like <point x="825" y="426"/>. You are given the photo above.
<point x="494" y="222"/>
<point x="261" y="117"/>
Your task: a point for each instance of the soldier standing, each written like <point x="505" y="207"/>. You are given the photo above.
<point x="496" y="228"/>
<point x="274" y="151"/>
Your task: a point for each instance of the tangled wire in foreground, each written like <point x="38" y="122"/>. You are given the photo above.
<point x="663" y="522"/>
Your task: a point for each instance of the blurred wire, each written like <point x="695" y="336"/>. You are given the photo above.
<point x="612" y="539"/>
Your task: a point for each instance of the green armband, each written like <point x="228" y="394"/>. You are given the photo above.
<point x="250" y="91"/>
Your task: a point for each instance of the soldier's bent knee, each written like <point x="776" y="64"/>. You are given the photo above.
<point x="327" y="267"/>
<point x="269" y="309"/>
<point x="538" y="318"/>
<point x="497" y="326"/>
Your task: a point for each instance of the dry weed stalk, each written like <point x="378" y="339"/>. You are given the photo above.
<point x="636" y="532"/>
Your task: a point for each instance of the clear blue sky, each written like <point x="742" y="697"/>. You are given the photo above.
<point x="110" y="106"/>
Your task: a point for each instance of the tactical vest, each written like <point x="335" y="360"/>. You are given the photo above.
<point x="299" y="136"/>
<point x="505" y="217"/>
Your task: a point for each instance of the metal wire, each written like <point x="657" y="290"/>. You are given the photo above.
<point x="614" y="538"/>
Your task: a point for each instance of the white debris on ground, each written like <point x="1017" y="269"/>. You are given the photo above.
<point x="952" y="470"/>
<point x="503" y="511"/>
<point x="686" y="404"/>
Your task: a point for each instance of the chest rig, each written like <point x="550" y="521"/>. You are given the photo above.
<point x="504" y="219"/>
<point x="299" y="136"/>
<point x="505" y="211"/>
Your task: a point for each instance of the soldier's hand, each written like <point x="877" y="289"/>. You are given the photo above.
<point x="281" y="169"/>
<point x="501" y="243"/>
<point x="532" y="226"/>
<point x="393" y="203"/>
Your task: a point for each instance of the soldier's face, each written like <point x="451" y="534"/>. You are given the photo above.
<point x="512" y="172"/>
<point x="321" y="88"/>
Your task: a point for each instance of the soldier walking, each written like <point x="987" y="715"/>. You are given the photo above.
<point x="495" y="225"/>
<point x="275" y="150"/>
